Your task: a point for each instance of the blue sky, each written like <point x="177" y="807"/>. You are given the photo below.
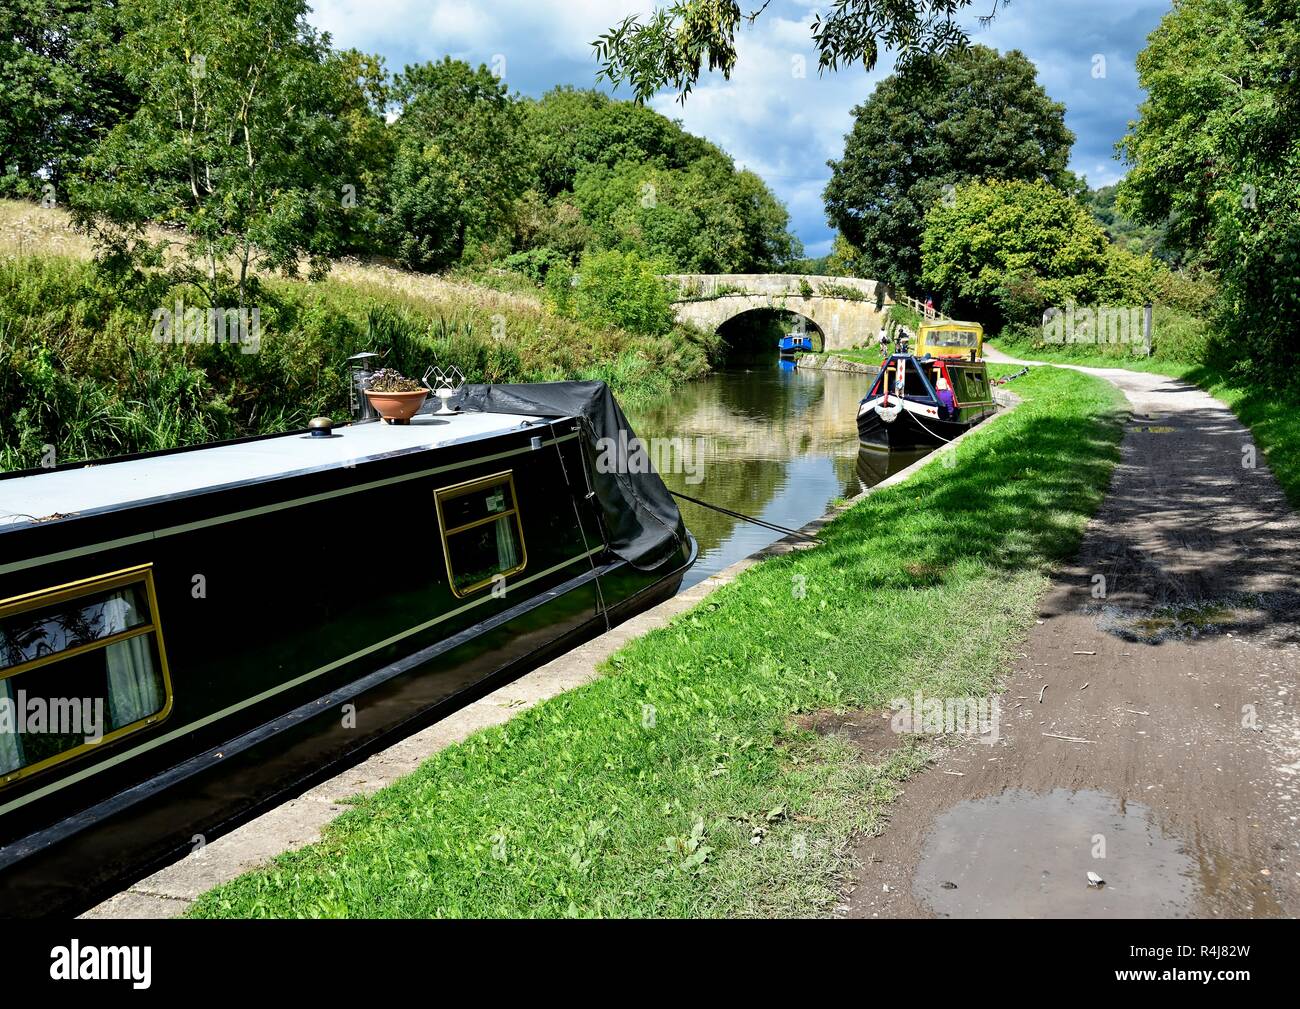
<point x="770" y="119"/>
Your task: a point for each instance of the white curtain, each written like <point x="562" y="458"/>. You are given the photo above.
<point x="11" y="746"/>
<point x="507" y="549"/>
<point x="134" y="688"/>
<point x="119" y="613"/>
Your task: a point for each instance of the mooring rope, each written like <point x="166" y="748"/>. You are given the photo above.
<point x="744" y="518"/>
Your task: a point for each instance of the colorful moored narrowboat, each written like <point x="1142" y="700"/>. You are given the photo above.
<point x="795" y="343"/>
<point x="926" y="399"/>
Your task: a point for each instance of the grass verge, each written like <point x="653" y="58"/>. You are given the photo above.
<point x="861" y="356"/>
<point x="640" y="793"/>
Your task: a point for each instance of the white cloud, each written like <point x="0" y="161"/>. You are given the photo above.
<point x="530" y="31"/>
<point x="783" y="127"/>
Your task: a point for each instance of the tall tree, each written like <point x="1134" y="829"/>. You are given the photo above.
<point x="1216" y="147"/>
<point x="976" y="115"/>
<point x="1124" y="231"/>
<point x="766" y="222"/>
<point x="58" y="91"/>
<point x="365" y="90"/>
<point x="460" y="164"/>
<point x="1004" y="251"/>
<point x="674" y="44"/>
<point x="570" y="129"/>
<point x="236" y="137"/>
<point x="642" y="184"/>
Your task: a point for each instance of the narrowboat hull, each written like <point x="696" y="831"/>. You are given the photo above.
<point x="305" y="652"/>
<point x="907" y="432"/>
<point x="903" y="411"/>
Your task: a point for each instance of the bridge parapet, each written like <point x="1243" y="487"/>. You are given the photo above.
<point x="843" y="309"/>
<point x="712" y="285"/>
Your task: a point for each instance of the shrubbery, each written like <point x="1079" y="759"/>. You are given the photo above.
<point x="1005" y="252"/>
<point x="614" y="289"/>
<point x="79" y="369"/>
<point x="534" y="264"/>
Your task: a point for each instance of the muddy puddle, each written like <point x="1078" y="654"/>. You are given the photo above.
<point x="1027" y="855"/>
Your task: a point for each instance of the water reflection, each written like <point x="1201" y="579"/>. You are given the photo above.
<point x="875" y="464"/>
<point x="1023" y="854"/>
<point x="777" y="443"/>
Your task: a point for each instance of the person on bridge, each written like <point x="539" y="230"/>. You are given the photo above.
<point x="947" y="402"/>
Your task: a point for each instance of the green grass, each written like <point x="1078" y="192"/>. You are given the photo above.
<point x="587" y="806"/>
<point x="79" y="369"/>
<point x="1271" y="411"/>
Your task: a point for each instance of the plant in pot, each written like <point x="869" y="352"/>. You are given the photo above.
<point x="395" y="397"/>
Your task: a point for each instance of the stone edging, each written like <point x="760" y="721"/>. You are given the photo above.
<point x="831" y="362"/>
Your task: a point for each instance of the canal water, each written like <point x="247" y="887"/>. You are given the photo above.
<point x="764" y="439"/>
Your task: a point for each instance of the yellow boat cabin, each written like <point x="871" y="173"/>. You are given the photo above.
<point x="947" y="338"/>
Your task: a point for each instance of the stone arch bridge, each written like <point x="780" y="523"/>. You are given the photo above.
<point x="847" y="310"/>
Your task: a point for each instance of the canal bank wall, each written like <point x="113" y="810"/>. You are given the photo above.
<point x="832" y="362"/>
<point x="299" y="822"/>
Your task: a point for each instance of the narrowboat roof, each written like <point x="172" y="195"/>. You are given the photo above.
<point x="950" y="324"/>
<point x="951" y="362"/>
<point x="113" y="484"/>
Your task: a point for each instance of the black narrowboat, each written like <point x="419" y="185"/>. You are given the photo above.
<point x="190" y="637"/>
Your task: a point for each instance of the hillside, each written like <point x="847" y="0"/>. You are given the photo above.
<point x="80" y="369"/>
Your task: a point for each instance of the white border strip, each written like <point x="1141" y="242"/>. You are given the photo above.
<point x="125" y="541"/>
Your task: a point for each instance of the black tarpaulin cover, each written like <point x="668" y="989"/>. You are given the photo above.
<point x="641" y="518"/>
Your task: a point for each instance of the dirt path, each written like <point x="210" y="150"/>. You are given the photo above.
<point x="1185" y="797"/>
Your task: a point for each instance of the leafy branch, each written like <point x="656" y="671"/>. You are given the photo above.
<point x="674" y="44"/>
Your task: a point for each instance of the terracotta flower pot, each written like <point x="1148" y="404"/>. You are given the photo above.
<point x="397" y="407"/>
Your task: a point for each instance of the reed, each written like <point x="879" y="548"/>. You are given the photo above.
<point x="80" y="370"/>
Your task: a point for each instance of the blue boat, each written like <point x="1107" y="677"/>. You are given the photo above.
<point x="795" y="343"/>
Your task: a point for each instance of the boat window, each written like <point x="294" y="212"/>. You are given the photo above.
<point x="916" y="378"/>
<point x="970" y="385"/>
<point x="951" y="338"/>
<point x="482" y="537"/>
<point x="80" y="665"/>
